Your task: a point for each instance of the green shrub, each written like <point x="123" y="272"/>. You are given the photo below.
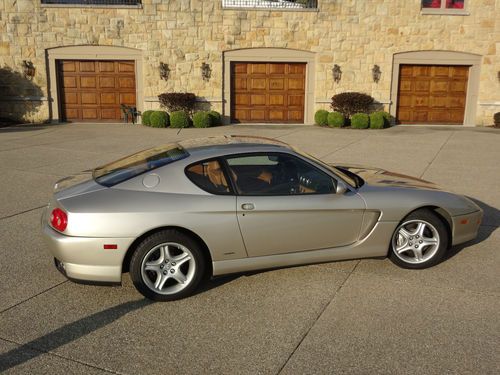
<point x="336" y="119"/>
<point x="146" y="116"/>
<point x="202" y="119"/>
<point x="349" y="103"/>
<point x="216" y="118"/>
<point x="159" y="119"/>
<point x="179" y="119"/>
<point x="377" y="120"/>
<point x="496" y="119"/>
<point x="178" y="101"/>
<point x="321" y="117"/>
<point x="360" y="121"/>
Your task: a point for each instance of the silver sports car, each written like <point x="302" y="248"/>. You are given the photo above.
<point x="175" y="214"/>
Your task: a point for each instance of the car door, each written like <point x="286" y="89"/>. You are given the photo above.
<point x="285" y="204"/>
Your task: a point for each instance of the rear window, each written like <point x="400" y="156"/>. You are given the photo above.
<point x="136" y="164"/>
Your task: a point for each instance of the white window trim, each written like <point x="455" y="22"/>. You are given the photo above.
<point x="446" y="11"/>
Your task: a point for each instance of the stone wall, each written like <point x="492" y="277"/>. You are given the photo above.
<point x="354" y="34"/>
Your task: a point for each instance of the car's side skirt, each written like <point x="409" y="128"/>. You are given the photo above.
<point x="376" y="244"/>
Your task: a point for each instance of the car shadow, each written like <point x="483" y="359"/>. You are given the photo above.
<point x="489" y="225"/>
<point x="67" y="333"/>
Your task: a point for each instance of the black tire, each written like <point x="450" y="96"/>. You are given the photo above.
<point x="177" y="242"/>
<point x="430" y="255"/>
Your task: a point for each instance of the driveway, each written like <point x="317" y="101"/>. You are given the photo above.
<point x="356" y="317"/>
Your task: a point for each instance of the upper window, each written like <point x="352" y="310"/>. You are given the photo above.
<point x="443" y="7"/>
<point x="277" y="174"/>
<point x="209" y="176"/>
<point x="266" y="4"/>
<point x="93" y="2"/>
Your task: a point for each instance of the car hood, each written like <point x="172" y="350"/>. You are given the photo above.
<point x="381" y="177"/>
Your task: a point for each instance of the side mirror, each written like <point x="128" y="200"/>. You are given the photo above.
<point x="341" y="187"/>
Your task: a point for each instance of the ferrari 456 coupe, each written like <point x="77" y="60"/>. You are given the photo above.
<point x="178" y="214"/>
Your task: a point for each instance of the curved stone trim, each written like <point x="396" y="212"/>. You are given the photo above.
<point x="441" y="58"/>
<point x="88" y="52"/>
<point x="270" y="55"/>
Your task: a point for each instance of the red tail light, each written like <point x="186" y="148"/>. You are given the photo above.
<point x="59" y="219"/>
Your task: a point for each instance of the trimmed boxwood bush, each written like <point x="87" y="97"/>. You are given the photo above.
<point x="349" y="103"/>
<point x="377" y="120"/>
<point x="202" y="119"/>
<point x="360" y="121"/>
<point x="179" y="119"/>
<point x="146" y="115"/>
<point x="336" y="119"/>
<point x="159" y="119"/>
<point x="321" y="117"/>
<point x="496" y="119"/>
<point x="216" y="118"/>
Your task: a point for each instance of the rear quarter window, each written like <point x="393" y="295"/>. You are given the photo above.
<point x="134" y="165"/>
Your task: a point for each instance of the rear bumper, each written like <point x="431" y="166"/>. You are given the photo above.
<point x="466" y="227"/>
<point x="84" y="258"/>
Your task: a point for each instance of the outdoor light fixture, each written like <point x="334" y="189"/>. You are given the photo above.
<point x="206" y="71"/>
<point x="164" y="71"/>
<point x="29" y="69"/>
<point x="376" y="73"/>
<point x="337" y="73"/>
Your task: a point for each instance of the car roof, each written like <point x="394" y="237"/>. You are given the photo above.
<point x="230" y="143"/>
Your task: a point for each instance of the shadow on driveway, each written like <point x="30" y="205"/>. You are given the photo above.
<point x="67" y="333"/>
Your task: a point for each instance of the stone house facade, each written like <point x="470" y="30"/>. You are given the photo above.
<point x="425" y="61"/>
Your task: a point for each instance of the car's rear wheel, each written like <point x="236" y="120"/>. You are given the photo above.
<point x="420" y="241"/>
<point x="167" y="265"/>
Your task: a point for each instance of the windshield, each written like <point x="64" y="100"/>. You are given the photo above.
<point x="136" y="164"/>
<point x="351" y="181"/>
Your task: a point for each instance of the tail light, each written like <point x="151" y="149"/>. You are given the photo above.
<point x="59" y="219"/>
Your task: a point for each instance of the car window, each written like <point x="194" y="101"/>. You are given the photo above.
<point x="209" y="176"/>
<point x="277" y="174"/>
<point x="131" y="166"/>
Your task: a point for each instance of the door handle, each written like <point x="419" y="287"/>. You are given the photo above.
<point x="247" y="206"/>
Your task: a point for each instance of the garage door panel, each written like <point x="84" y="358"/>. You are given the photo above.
<point x="92" y="90"/>
<point x="432" y="94"/>
<point x="268" y="92"/>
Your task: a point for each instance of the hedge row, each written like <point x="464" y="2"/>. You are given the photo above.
<point x="376" y="120"/>
<point x="181" y="119"/>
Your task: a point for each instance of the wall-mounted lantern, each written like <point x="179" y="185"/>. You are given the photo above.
<point x="206" y="71"/>
<point x="164" y="71"/>
<point x="28" y="69"/>
<point x="376" y="73"/>
<point x="337" y="73"/>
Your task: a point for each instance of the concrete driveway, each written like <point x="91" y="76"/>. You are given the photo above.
<point x="347" y="317"/>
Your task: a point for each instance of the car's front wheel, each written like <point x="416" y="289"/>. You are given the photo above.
<point x="167" y="265"/>
<point x="420" y="241"/>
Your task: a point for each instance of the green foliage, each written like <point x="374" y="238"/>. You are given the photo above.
<point x="321" y="117"/>
<point x="179" y="119"/>
<point x="349" y="103"/>
<point x="377" y="120"/>
<point x="202" y="119"/>
<point x="336" y="119"/>
<point x="159" y="119"/>
<point x="496" y="119"/>
<point x="146" y="117"/>
<point x="216" y="118"/>
<point x="360" y="121"/>
<point x="178" y="101"/>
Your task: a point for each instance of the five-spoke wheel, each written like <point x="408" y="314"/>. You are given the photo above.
<point x="167" y="265"/>
<point x="419" y="241"/>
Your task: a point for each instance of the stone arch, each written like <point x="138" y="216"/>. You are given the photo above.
<point x="270" y="55"/>
<point x="441" y="58"/>
<point x="89" y="52"/>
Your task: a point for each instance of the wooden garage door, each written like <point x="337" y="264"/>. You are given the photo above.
<point x="93" y="90"/>
<point x="268" y="92"/>
<point x="432" y="94"/>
